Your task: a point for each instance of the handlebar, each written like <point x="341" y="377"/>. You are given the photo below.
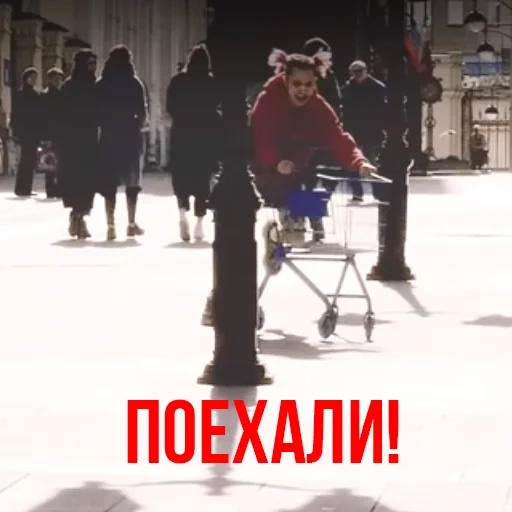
<point x="375" y="178"/>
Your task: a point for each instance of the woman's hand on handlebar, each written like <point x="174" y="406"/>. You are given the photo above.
<point x="367" y="169"/>
<point x="285" y="167"/>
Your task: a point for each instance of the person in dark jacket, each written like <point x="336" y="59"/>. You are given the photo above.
<point x="364" y="98"/>
<point x="26" y="127"/>
<point x="328" y="87"/>
<point x="122" y="111"/>
<point x="79" y="148"/>
<point x="51" y="125"/>
<point x="192" y="104"/>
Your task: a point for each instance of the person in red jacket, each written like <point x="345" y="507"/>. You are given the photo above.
<point x="290" y="122"/>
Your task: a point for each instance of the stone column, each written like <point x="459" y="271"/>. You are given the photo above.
<point x="129" y="24"/>
<point x="456" y="94"/>
<point x="29" y="48"/>
<point x="5" y="54"/>
<point x="197" y="11"/>
<point x="109" y="28"/>
<point x="154" y="85"/>
<point x="53" y="48"/>
<point x="97" y="29"/>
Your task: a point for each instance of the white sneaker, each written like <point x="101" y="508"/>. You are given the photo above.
<point x="184" y="230"/>
<point x="184" y="226"/>
<point x="198" y="230"/>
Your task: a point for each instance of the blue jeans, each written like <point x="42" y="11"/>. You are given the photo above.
<point x="371" y="152"/>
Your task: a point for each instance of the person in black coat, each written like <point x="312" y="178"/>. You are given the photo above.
<point x="52" y="125"/>
<point x="364" y="98"/>
<point x="192" y="104"/>
<point x="26" y="128"/>
<point x="122" y="111"/>
<point x="79" y="143"/>
<point x="328" y="87"/>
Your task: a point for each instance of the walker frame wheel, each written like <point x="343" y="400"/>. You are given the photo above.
<point x="260" y="319"/>
<point x="272" y="239"/>
<point x="369" y="324"/>
<point x="328" y="322"/>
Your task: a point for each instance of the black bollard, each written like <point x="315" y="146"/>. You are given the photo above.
<point x="391" y="264"/>
<point x="235" y="203"/>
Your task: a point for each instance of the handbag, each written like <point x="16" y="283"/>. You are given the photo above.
<point x="47" y="160"/>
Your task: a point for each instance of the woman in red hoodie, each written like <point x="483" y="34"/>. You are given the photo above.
<point x="290" y="122"/>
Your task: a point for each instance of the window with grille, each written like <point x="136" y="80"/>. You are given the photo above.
<point x="33" y="6"/>
<point x="455" y="15"/>
<point x="417" y="11"/>
<point x="493" y="13"/>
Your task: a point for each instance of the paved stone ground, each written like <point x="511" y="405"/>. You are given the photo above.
<point x="87" y="326"/>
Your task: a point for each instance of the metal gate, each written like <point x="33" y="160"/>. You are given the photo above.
<point x="497" y="132"/>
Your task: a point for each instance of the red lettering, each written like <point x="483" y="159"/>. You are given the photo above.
<point x="250" y="432"/>
<point x="288" y="414"/>
<point x="336" y="406"/>
<point x="208" y="431"/>
<point x="358" y="440"/>
<point x="170" y="432"/>
<point x="393" y="430"/>
<point x="152" y="407"/>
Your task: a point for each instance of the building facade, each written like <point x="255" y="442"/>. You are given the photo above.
<point x="46" y="33"/>
<point x="470" y="84"/>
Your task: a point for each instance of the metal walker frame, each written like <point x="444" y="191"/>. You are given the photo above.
<point x="279" y="253"/>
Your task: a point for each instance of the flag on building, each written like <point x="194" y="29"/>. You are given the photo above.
<point x="418" y="51"/>
<point x="414" y="47"/>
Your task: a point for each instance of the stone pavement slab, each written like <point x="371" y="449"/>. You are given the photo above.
<point x="87" y="326"/>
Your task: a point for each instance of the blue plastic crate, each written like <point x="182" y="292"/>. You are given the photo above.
<point x="308" y="203"/>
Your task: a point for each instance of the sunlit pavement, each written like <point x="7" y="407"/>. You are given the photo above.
<point x="87" y="326"/>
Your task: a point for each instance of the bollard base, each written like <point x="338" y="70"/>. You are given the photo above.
<point x="390" y="273"/>
<point x="235" y="375"/>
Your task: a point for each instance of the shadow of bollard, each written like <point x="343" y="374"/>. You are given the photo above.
<point x="343" y="500"/>
<point x="90" y="497"/>
<point x="218" y="482"/>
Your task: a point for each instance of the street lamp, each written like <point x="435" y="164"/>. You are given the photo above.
<point x="475" y="21"/>
<point x="235" y="202"/>
<point x="391" y="264"/>
<point x="486" y="52"/>
<point x="491" y="113"/>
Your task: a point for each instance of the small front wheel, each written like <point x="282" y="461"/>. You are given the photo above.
<point x="327" y="323"/>
<point x="272" y="241"/>
<point x="369" y="324"/>
<point x="260" y="319"/>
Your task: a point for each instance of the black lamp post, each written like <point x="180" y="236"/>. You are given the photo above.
<point x="391" y="264"/>
<point x="234" y="202"/>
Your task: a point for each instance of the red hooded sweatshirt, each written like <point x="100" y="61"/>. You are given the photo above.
<point x="281" y="131"/>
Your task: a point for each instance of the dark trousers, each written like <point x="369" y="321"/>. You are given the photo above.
<point x="196" y="185"/>
<point x="51" y="185"/>
<point x="5" y="155"/>
<point x="26" y="168"/>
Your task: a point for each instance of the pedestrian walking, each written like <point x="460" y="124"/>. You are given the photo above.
<point x="364" y="98"/>
<point x="478" y="148"/>
<point x="192" y="104"/>
<point x="122" y="111"/>
<point x="79" y="143"/>
<point x="26" y="126"/>
<point x="328" y="86"/>
<point x="52" y="126"/>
